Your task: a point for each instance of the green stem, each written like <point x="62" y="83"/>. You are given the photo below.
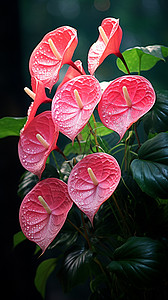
<point x="136" y="134"/>
<point x="121" y="214"/>
<point x="85" y="230"/>
<point x="113" y="211"/>
<point x="94" y="135"/>
<point x="119" y="145"/>
<point x="57" y="166"/>
<point x="119" y="54"/>
<point x="76" y="228"/>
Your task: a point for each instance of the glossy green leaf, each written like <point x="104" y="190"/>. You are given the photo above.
<point x="18" y="238"/>
<point x="156" y="120"/>
<point x="29" y="180"/>
<point x="11" y="126"/>
<point x="142" y="58"/>
<point x="76" y="149"/>
<point x="43" y="272"/>
<point x="76" y="268"/>
<point x="141" y="261"/>
<point x="150" y="170"/>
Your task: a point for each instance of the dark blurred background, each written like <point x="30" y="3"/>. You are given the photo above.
<point x="23" y="24"/>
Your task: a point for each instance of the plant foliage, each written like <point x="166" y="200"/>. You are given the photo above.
<point x="120" y="252"/>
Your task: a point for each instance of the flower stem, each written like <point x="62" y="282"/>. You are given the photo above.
<point x="119" y="54"/>
<point x="121" y="214"/>
<point x="136" y="134"/>
<point x="71" y="63"/>
<point x="94" y="135"/>
<point x="76" y="228"/>
<point x="86" y="234"/>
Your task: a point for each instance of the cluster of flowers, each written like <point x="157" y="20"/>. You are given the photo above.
<point x="93" y="179"/>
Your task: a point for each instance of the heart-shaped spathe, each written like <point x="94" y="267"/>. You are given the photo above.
<point x="37" y="224"/>
<point x="84" y="193"/>
<point x="114" y="111"/>
<point x="44" y="63"/>
<point x="66" y="112"/>
<point x="32" y="153"/>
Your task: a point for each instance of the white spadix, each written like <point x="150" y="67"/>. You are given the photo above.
<point x="44" y="204"/>
<point x="127" y="97"/>
<point x="92" y="176"/>
<point x="78" y="99"/>
<point x="30" y="93"/>
<point x="103" y="35"/>
<point x="54" y="49"/>
<point x="42" y="140"/>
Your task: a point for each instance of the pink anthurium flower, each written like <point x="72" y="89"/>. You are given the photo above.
<point x="44" y="210"/>
<point x="110" y="35"/>
<point x="55" y="49"/>
<point x="39" y="97"/>
<point x="92" y="181"/>
<point x="36" y="143"/>
<point x="72" y="72"/>
<point x="124" y="101"/>
<point x="74" y="103"/>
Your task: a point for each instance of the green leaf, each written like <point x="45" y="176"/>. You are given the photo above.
<point x="76" y="268"/>
<point x="142" y="58"/>
<point x="150" y="170"/>
<point x="76" y="149"/>
<point x="29" y="180"/>
<point x="156" y="120"/>
<point x="43" y="272"/>
<point x="11" y="126"/>
<point x="18" y="238"/>
<point x="98" y="127"/>
<point x="141" y="261"/>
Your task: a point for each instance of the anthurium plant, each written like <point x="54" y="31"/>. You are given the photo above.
<point x="97" y="206"/>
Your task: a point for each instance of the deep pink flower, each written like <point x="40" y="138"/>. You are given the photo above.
<point x="37" y="141"/>
<point x="55" y="49"/>
<point x="44" y="210"/>
<point x="92" y="181"/>
<point x="108" y="43"/>
<point x="74" y="103"/>
<point x="124" y="101"/>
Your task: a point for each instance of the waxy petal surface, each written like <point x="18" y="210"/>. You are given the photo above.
<point x="100" y="50"/>
<point x="32" y="153"/>
<point x="40" y="98"/>
<point x="87" y="196"/>
<point x="65" y="111"/>
<point x="36" y="224"/>
<point x="113" y="109"/>
<point x="43" y="64"/>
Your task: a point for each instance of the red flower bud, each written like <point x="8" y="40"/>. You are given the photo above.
<point x="108" y="43"/>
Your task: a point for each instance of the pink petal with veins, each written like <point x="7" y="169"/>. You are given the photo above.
<point x="65" y="111"/>
<point x="32" y="153"/>
<point x="87" y="196"/>
<point x="43" y="64"/>
<point x="113" y="109"/>
<point x="36" y="224"/>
